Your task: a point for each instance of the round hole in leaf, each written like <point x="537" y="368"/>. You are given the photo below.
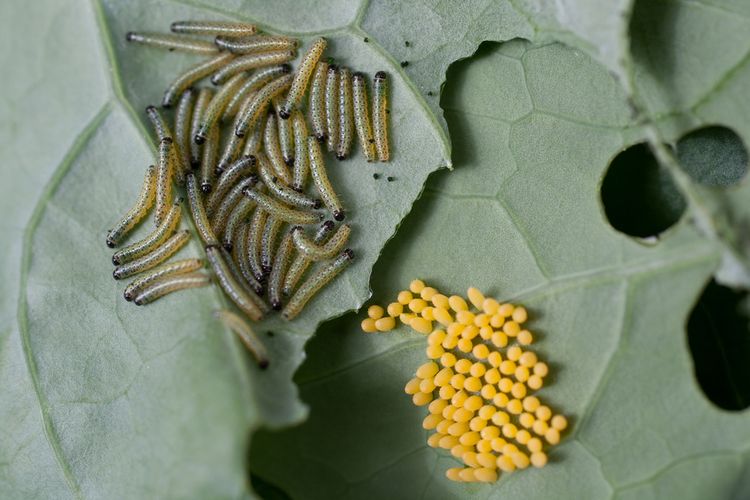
<point x="719" y="337"/>
<point x="639" y="196"/>
<point x="713" y="156"/>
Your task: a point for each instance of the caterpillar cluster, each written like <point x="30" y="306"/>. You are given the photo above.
<point x="478" y="388"/>
<point x="240" y="147"/>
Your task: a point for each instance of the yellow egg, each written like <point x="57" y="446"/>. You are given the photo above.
<point x="434" y="351"/>
<point x="531" y="403"/>
<point x="514" y="353"/>
<point x="436" y="337"/>
<point x="417" y="305"/>
<point x="368" y="325"/>
<point x="395" y="309"/>
<point x="538" y="459"/>
<point x="514" y="407"/>
<point x="375" y="312"/>
<point x="412" y="386"/>
<point x="433" y="440"/>
<point x="541" y="369"/>
<point x="492" y="376"/>
<point x="490" y="432"/>
<point x="511" y="328"/>
<point x="421" y="398"/>
<point x="552" y="436"/>
<point x="485" y="475"/>
<point x="543" y="413"/>
<point x="525" y="337"/>
<point x="421" y="325"/>
<point x="463" y="366"/>
<point x="487" y="460"/>
<point x="454" y="474"/>
<point x="487" y="411"/>
<point x="437" y="406"/>
<point x="518" y="391"/>
<point x="431" y="421"/>
<point x="467" y="475"/>
<point x="534" y="445"/>
<point x="476" y="297"/>
<point x="519" y="314"/>
<point x="448" y="359"/>
<point x="559" y="422"/>
<point x="443" y="377"/>
<point x="428" y="313"/>
<point x="500" y="418"/>
<point x="480" y="351"/>
<point x="469" y="439"/>
<point x="505" y="310"/>
<point x="473" y="384"/>
<point x="526" y="419"/>
<point x="499" y="339"/>
<point x="439" y="300"/>
<point x="505" y="463"/>
<point x="385" y="324"/>
<point x="490" y="306"/>
<point x="428" y="293"/>
<point x="404" y="297"/>
<point x="500" y="400"/>
<point x="457" y="303"/>
<point x="416" y="286"/>
<point x="442" y="315"/>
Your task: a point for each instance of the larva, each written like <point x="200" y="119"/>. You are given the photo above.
<point x="316" y="252"/>
<point x="182" y="125"/>
<point x="208" y="160"/>
<point x="238" y="214"/>
<point x="173" y="42"/>
<point x="281" y="191"/>
<point x="315" y="282"/>
<point x="257" y="106"/>
<point x="215" y="28"/>
<point x="346" y="120"/>
<point x="176" y="267"/>
<point x="219" y="219"/>
<point x="301" y="160"/>
<point x="281" y="211"/>
<point x="301" y="262"/>
<point x="188" y="78"/>
<point x="257" y="43"/>
<point x="254" y="242"/>
<point x="322" y="183"/>
<point x="254" y="140"/>
<point x="160" y="125"/>
<point x="154" y="239"/>
<point x="268" y="243"/>
<point x="253" y="83"/>
<point x="171" y="284"/>
<point x="302" y="77"/>
<point x="362" y="116"/>
<point x="163" y="180"/>
<point x="253" y="289"/>
<point x="153" y="258"/>
<point x="273" y="149"/>
<point x="216" y="107"/>
<point x="380" y="116"/>
<point x="250" y="61"/>
<point x="231" y="287"/>
<point x="198" y="211"/>
<point x="286" y="136"/>
<point x="246" y="335"/>
<point x="227" y="179"/>
<point x="332" y="107"/>
<point x="278" y="271"/>
<point x="242" y="260"/>
<point x="233" y="144"/>
<point x="133" y="216"/>
<point x="317" y="102"/>
<point x="204" y="97"/>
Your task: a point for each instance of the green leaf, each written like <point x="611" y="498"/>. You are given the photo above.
<point x="111" y="400"/>
<point x="106" y="400"/>
<point x="534" y="128"/>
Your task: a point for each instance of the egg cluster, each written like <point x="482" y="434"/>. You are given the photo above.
<point x="478" y="382"/>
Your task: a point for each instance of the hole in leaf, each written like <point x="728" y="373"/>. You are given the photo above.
<point x="639" y="196"/>
<point x="713" y="156"/>
<point x="719" y="338"/>
<point x="267" y="490"/>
